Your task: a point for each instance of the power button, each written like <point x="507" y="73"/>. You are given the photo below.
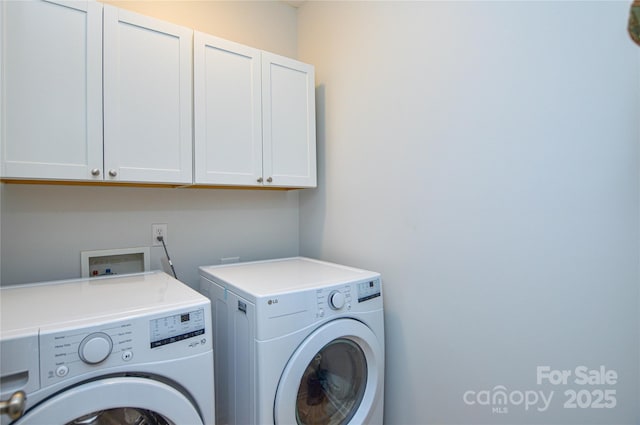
<point x="62" y="371"/>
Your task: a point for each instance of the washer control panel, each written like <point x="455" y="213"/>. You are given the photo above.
<point x="368" y="290"/>
<point x="120" y="344"/>
<point x="336" y="298"/>
<point x="347" y="297"/>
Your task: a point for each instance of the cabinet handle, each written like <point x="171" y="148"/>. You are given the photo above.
<point x="95" y="172"/>
<point x="113" y="173"/>
<point x="259" y="180"/>
<point x="14" y="407"/>
<point x="269" y="180"/>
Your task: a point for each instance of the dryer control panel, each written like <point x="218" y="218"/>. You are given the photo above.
<point x="115" y="346"/>
<point x="176" y="327"/>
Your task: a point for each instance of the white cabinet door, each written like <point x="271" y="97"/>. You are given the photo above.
<point x="227" y="115"/>
<point x="288" y="122"/>
<point x="147" y="99"/>
<point x="51" y="89"/>
<point x="254" y="117"/>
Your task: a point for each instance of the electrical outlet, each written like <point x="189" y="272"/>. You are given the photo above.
<point x="159" y="230"/>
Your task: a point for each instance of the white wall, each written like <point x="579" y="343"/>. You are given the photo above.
<point x="44" y="228"/>
<point x="267" y="25"/>
<point x="484" y="157"/>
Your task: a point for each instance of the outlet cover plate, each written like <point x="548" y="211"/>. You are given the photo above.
<point x="159" y="229"/>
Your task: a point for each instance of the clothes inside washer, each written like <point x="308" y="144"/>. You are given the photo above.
<point x="121" y="416"/>
<point x="332" y="385"/>
<point x="634" y="21"/>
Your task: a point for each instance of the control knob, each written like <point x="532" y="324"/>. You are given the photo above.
<point x="95" y="348"/>
<point x="336" y="300"/>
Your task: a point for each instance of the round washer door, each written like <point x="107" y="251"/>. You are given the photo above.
<point x="333" y="378"/>
<point x="101" y="401"/>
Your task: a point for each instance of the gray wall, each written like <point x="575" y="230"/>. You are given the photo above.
<point x="483" y="156"/>
<point x="44" y="228"/>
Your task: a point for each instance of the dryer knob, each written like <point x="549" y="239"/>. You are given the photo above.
<point x="95" y="347"/>
<point x="336" y="300"/>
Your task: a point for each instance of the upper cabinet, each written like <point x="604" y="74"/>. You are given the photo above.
<point x="254" y="115"/>
<point x="288" y="122"/>
<point x="97" y="93"/>
<point x="227" y="112"/>
<point x="53" y="94"/>
<point x="147" y="99"/>
<point x="51" y="89"/>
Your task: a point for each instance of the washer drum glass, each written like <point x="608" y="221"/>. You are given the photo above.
<point x="332" y="385"/>
<point x="121" y="416"/>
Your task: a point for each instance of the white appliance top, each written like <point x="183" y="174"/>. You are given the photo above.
<point x="26" y="309"/>
<point x="265" y="278"/>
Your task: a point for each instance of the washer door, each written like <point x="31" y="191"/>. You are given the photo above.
<point x="122" y="400"/>
<point x="333" y="378"/>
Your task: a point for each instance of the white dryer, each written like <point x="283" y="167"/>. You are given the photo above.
<point x="297" y="341"/>
<point x="128" y="349"/>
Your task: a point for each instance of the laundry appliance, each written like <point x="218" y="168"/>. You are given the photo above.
<point x="131" y="349"/>
<point x="297" y="341"/>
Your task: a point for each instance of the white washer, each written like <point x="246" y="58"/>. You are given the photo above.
<point x="107" y="350"/>
<point x="297" y="341"/>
